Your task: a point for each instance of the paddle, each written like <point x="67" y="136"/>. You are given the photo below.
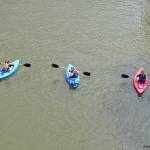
<point x="146" y="146"/>
<point x="26" y="64"/>
<point x="125" y="76"/>
<point x="57" y="66"/>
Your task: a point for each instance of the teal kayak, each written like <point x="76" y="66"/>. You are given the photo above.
<point x="73" y="82"/>
<point x="4" y="74"/>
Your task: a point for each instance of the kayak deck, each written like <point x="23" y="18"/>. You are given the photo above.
<point x="140" y="87"/>
<point x="73" y="82"/>
<point x="4" y="75"/>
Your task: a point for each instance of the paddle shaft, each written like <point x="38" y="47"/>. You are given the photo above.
<point x="57" y="66"/>
<point x="25" y="65"/>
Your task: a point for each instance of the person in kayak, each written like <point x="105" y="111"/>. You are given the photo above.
<point x="73" y="73"/>
<point x="142" y="77"/>
<point x="7" y="66"/>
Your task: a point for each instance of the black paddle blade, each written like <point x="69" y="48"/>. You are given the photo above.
<point x="124" y="76"/>
<point x="55" y="65"/>
<point x="146" y="146"/>
<point x="27" y="65"/>
<point x="87" y="73"/>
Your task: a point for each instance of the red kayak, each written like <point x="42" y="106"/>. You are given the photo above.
<point x="140" y="87"/>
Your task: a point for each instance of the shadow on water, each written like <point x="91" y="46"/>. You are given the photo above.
<point x="144" y="97"/>
<point x="7" y="81"/>
<point x="140" y="97"/>
<point x="72" y="88"/>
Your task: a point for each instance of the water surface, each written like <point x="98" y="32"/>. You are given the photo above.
<point x="38" y="110"/>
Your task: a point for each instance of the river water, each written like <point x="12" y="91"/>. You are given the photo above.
<point x="38" y="110"/>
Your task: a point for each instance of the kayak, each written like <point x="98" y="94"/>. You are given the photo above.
<point x="73" y="82"/>
<point x="13" y="69"/>
<point x="140" y="87"/>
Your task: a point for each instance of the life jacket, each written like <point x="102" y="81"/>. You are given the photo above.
<point x="142" y="77"/>
<point x="7" y="67"/>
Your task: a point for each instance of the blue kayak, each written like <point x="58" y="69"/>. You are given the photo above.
<point x="4" y="74"/>
<point x="73" y="82"/>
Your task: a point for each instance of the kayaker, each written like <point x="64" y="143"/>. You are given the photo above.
<point x="142" y="77"/>
<point x="7" y="66"/>
<point x="73" y="73"/>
